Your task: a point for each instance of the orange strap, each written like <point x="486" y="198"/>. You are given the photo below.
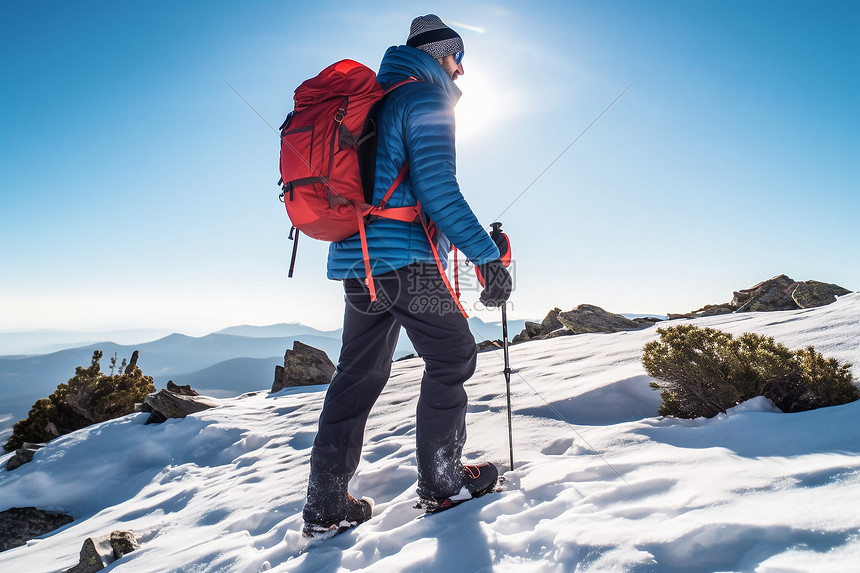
<point x="406" y="214"/>
<point x="368" y="277"/>
<point x="456" y="274"/>
<point x="394" y="184"/>
<point x="410" y="79"/>
<point x="439" y="264"/>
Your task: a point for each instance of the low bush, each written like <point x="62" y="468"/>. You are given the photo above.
<point x="89" y="397"/>
<point x="703" y="371"/>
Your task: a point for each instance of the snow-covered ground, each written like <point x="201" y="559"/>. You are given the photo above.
<point x="601" y="482"/>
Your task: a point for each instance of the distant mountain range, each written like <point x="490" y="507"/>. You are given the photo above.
<point x="47" y="341"/>
<point x="225" y="363"/>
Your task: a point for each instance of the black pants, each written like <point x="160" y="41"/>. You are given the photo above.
<point x="416" y="298"/>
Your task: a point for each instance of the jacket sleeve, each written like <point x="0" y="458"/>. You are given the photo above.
<point x="429" y="137"/>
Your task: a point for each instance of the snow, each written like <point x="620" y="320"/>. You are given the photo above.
<point x="601" y="482"/>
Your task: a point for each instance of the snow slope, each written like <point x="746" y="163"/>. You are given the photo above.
<point x="601" y="482"/>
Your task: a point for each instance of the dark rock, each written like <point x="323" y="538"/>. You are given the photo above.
<point x="23" y="455"/>
<point x="769" y="295"/>
<point x="123" y="542"/>
<point x="99" y="552"/>
<point x="811" y="294"/>
<point x="707" y="310"/>
<point x="537" y="331"/>
<point x="155" y="418"/>
<point x="556" y="333"/>
<point x="587" y="318"/>
<point x="521" y="337"/>
<point x="303" y="366"/>
<point x="96" y="552"/>
<point x="779" y="293"/>
<point x="132" y="363"/>
<point x="647" y="320"/>
<point x="551" y="322"/>
<point x="583" y="319"/>
<point x="78" y="413"/>
<point x="531" y="331"/>
<point x="716" y="309"/>
<point x="20" y="524"/>
<point x="279" y="378"/>
<point x="407" y="357"/>
<point x="181" y="390"/>
<point x="485" y="345"/>
<point x="166" y="404"/>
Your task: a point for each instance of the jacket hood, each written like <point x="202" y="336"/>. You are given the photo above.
<point x="400" y="62"/>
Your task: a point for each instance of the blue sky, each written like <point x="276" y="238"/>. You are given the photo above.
<point x="137" y="189"/>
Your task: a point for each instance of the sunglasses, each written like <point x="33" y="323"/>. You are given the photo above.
<point x="458" y="56"/>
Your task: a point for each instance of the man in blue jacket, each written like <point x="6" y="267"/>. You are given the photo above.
<point x="415" y="125"/>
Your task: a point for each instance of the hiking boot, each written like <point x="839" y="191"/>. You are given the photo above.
<point x="478" y="479"/>
<point x="357" y="511"/>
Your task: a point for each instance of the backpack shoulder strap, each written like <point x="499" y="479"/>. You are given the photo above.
<point x="396" y="85"/>
<point x="367" y="141"/>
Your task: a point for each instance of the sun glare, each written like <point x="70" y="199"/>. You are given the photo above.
<point x="485" y="103"/>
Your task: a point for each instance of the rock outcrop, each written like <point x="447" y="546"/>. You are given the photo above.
<point x="185" y="390"/>
<point x="123" y="543"/>
<point x="779" y="293"/>
<point x="95" y="554"/>
<point x="549" y="327"/>
<point x="646" y="321"/>
<point x="531" y="331"/>
<point x="20" y="524"/>
<point x="304" y="365"/>
<point x="23" y="455"/>
<point x="486" y="345"/>
<point x="583" y="319"/>
<point x="587" y="318"/>
<point x="99" y="552"/>
<point x="811" y="294"/>
<point x="174" y="402"/>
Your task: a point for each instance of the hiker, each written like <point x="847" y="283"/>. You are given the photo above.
<point x="416" y="123"/>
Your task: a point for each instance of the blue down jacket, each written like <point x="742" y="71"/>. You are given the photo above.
<point x="416" y="123"/>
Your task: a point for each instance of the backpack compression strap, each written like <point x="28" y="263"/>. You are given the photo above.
<point x="405" y="214"/>
<point x="408" y="215"/>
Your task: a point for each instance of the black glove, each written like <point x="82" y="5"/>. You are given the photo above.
<point x="497" y="283"/>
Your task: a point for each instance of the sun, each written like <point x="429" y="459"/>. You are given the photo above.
<point x="486" y="102"/>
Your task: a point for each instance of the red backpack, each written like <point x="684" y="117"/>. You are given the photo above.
<point x="328" y="159"/>
<point x="328" y="156"/>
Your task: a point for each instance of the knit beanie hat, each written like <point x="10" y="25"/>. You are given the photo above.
<point x="428" y="33"/>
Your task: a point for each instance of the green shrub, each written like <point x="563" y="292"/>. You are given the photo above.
<point x="89" y="397"/>
<point x="703" y="371"/>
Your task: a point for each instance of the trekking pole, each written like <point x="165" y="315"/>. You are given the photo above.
<point x="504" y="243"/>
<point x="507" y="381"/>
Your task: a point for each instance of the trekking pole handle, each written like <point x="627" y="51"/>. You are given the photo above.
<point x="502" y="242"/>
